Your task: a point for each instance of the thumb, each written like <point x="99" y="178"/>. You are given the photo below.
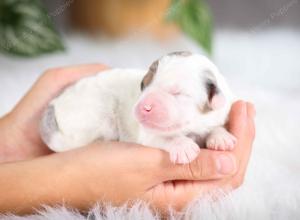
<point x="208" y="165"/>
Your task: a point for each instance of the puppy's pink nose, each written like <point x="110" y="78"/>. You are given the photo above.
<point x="152" y="109"/>
<point x="147" y="107"/>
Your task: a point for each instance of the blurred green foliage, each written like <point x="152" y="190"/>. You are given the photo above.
<point x="26" y="29"/>
<point x="195" y="19"/>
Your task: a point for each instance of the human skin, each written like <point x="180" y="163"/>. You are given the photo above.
<point x="107" y="171"/>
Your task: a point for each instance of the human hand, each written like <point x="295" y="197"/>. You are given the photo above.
<point x="152" y="177"/>
<point x="201" y="176"/>
<point x="19" y="129"/>
<point x="121" y="172"/>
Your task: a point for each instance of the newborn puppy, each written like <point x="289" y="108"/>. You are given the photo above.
<point x="179" y="104"/>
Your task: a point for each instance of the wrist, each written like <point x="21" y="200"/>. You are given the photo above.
<point x="76" y="188"/>
<point x="16" y="143"/>
<point x="8" y="145"/>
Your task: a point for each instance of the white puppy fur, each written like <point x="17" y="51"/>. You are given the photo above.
<point x="180" y="103"/>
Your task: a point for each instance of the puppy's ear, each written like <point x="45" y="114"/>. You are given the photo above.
<point x="150" y="74"/>
<point x="215" y="98"/>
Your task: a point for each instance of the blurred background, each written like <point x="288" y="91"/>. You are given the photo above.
<point x="256" y="45"/>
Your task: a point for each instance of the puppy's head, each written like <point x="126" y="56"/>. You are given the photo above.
<point x="177" y="88"/>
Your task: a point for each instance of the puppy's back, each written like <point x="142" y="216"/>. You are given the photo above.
<point x="89" y="110"/>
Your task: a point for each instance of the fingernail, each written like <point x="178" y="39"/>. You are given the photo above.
<point x="225" y="164"/>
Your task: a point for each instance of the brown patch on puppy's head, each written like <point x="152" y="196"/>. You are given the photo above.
<point x="180" y="53"/>
<point x="153" y="68"/>
<point x="150" y="74"/>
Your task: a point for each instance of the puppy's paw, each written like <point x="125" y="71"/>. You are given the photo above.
<point x="183" y="150"/>
<point x="221" y="140"/>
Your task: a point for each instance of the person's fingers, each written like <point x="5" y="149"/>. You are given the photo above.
<point x="66" y="75"/>
<point x="247" y="141"/>
<point x="241" y="120"/>
<point x="238" y="119"/>
<point x="207" y="166"/>
<point x="251" y="123"/>
<point x="251" y="110"/>
<point x="53" y="80"/>
<point x="238" y="126"/>
<point x="50" y="83"/>
<point x="242" y="125"/>
<point x="178" y="194"/>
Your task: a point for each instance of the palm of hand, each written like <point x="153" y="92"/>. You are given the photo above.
<point x="178" y="190"/>
<point x="23" y="121"/>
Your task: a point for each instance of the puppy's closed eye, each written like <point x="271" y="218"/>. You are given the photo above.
<point x="180" y="94"/>
<point x="176" y="93"/>
<point x="175" y="90"/>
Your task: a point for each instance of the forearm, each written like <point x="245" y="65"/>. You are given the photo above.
<point x="49" y="180"/>
<point x="103" y="172"/>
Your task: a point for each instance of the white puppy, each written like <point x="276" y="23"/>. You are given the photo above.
<point x="179" y="104"/>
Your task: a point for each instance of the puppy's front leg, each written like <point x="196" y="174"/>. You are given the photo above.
<point x="220" y="139"/>
<point x="182" y="149"/>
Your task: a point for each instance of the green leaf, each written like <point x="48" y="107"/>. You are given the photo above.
<point x="26" y="29"/>
<point x="194" y="18"/>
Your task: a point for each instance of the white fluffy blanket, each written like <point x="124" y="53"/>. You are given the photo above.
<point x="262" y="67"/>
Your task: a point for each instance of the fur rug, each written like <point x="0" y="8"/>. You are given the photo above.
<point x="259" y="67"/>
